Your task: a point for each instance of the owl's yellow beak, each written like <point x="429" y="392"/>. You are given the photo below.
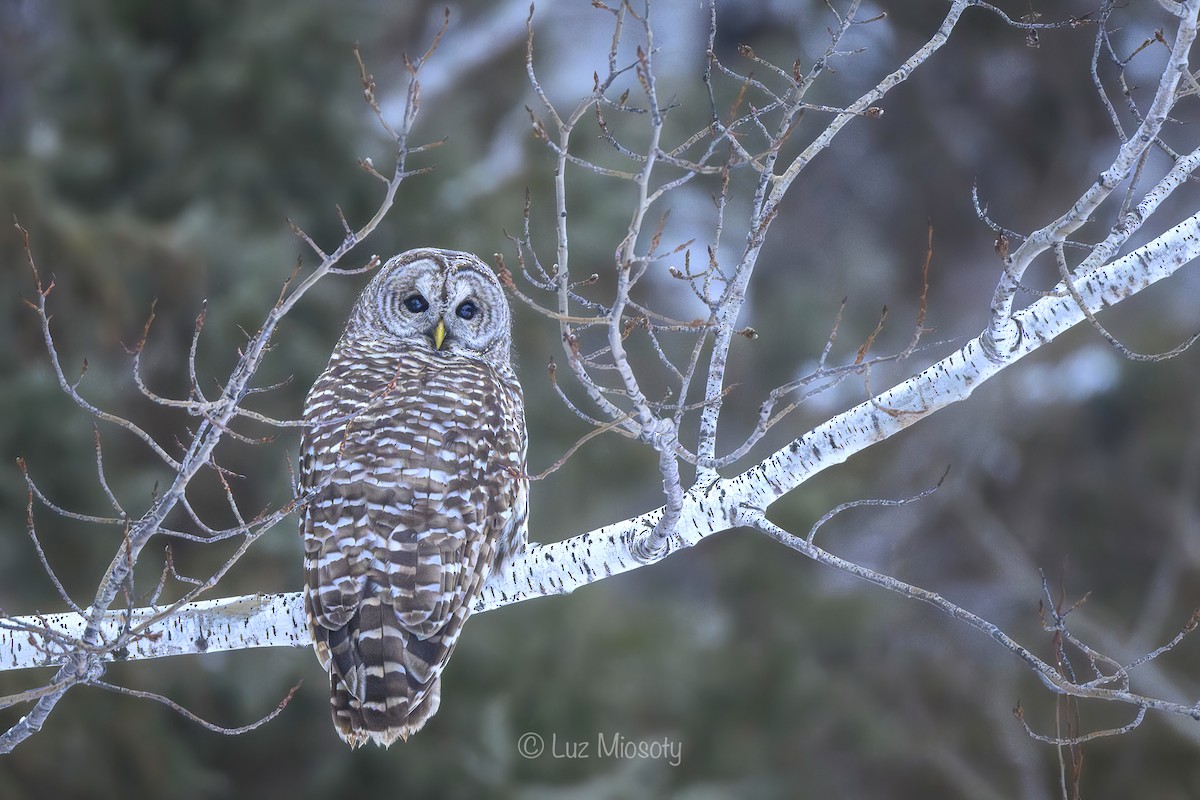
<point x="439" y="335"/>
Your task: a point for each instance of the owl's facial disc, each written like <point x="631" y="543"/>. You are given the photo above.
<point x="439" y="301"/>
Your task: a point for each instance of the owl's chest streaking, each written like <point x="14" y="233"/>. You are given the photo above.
<point x="412" y="453"/>
<point x="412" y="410"/>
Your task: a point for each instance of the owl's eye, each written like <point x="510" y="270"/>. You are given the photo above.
<point x="416" y="304"/>
<point x="466" y="309"/>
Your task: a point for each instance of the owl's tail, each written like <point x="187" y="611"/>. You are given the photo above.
<point x="385" y="683"/>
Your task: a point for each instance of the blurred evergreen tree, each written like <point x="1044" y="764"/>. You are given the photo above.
<point x="155" y="150"/>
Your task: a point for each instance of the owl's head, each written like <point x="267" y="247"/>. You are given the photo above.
<point x="442" y="301"/>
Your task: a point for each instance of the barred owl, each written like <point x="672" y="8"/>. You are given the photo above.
<point x="414" y="447"/>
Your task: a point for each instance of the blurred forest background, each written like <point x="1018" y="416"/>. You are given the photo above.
<point x="155" y="150"/>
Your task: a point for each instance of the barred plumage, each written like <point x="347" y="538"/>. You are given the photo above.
<point x="415" y="446"/>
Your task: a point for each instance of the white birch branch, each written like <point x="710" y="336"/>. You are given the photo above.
<point x="559" y="568"/>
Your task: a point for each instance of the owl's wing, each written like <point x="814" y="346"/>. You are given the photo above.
<point x="334" y="579"/>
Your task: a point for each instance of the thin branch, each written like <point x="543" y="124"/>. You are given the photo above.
<point x="171" y="704"/>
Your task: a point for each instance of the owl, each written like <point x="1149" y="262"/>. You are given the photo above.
<point x="414" y="449"/>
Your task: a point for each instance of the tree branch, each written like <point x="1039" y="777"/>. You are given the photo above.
<point x="562" y="567"/>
